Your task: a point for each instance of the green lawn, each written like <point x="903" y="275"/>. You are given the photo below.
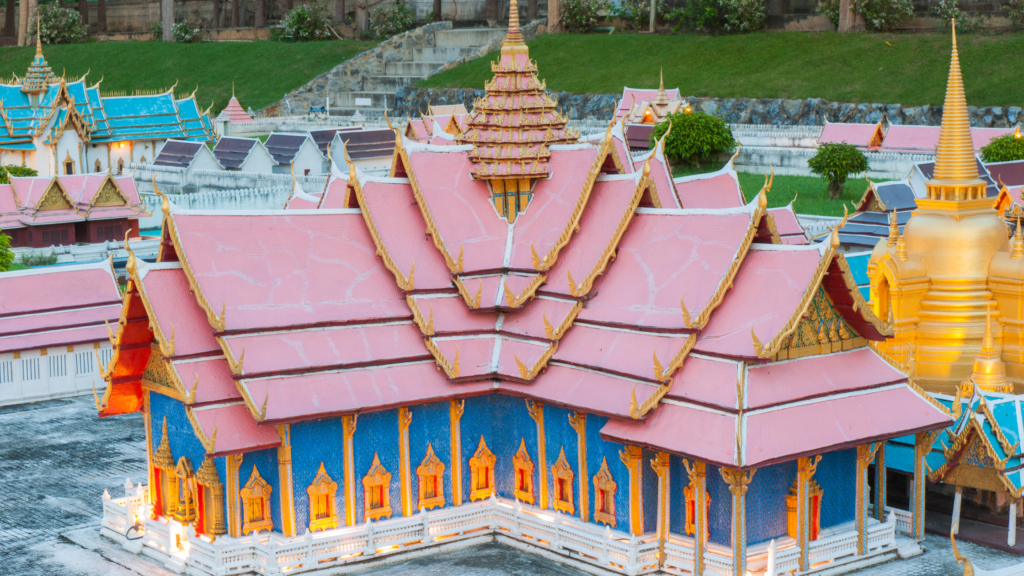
<point x="908" y="69"/>
<point x="811" y="192"/>
<point x="263" y="72"/>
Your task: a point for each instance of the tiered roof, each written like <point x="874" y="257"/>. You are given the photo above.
<point x="39" y="74"/>
<point x="234" y="112"/>
<point x="40" y="201"/>
<point x="512" y="126"/>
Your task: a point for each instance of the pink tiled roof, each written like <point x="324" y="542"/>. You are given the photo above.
<point x="710" y="191"/>
<point x="856" y="134"/>
<point x="235" y="113"/>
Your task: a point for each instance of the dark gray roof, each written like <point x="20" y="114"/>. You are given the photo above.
<point x="322" y="138"/>
<point x="1011" y="173"/>
<point x="896" y="195"/>
<point x="867" y="228"/>
<point x="991" y="190"/>
<point x="284" y="147"/>
<point x="364" y="144"/>
<point x="231" y="152"/>
<point x="177" y="153"/>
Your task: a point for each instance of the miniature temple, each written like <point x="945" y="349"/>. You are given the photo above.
<point x="518" y="334"/>
<point x="66" y="127"/>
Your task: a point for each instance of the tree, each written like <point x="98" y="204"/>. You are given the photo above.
<point x="216" y="14"/>
<point x="835" y="163"/>
<point x="10" y="20"/>
<point x="101" y="15"/>
<point x="236" y="17"/>
<point x="1004" y="149"/>
<point x="261" y="19"/>
<point x="167" y="18"/>
<point x="6" y="254"/>
<point x="849" y="19"/>
<point x="554" y="17"/>
<point x="83" y="9"/>
<point x="694" y="136"/>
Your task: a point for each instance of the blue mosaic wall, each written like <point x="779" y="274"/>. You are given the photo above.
<point x="265" y="461"/>
<point x="649" y="492"/>
<point x="511" y="424"/>
<point x="766" y="502"/>
<point x="597" y="450"/>
<point x="678" y="481"/>
<point x="559" y="435"/>
<point x="836" y="475"/>
<point x="720" y="515"/>
<point x="477" y="421"/>
<point x="314" y="442"/>
<point x="377" y="432"/>
<point x="181" y="435"/>
<point x="431" y="424"/>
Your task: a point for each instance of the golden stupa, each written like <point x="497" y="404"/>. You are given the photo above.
<point x="952" y="264"/>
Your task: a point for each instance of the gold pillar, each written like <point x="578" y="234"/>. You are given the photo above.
<point x="147" y="422"/>
<point x="578" y="421"/>
<point x="698" y="479"/>
<point x="738" y="482"/>
<point x="865" y="455"/>
<point x="348" y="424"/>
<point x="631" y="456"/>
<point x="881" y="483"/>
<point x="233" y="462"/>
<point x="922" y="446"/>
<point x="455" y="410"/>
<point x="284" y="472"/>
<point x="404" y="419"/>
<point x="806" y="467"/>
<point x="660" y="466"/>
<point x="536" y="410"/>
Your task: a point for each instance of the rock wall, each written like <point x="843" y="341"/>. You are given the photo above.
<point x="778" y="112"/>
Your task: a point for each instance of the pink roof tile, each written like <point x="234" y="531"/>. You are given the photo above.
<point x="235" y="113"/>
<point x="608" y="205"/>
<point x="7" y="203"/>
<point x="327" y="348"/>
<point x="236" y="429"/>
<point x="176" y="312"/>
<point x="60" y="319"/>
<point x="661" y="173"/>
<point x="30" y="190"/>
<point x="398" y="221"/>
<point x="581" y="389"/>
<point x="911" y="138"/>
<point x="706" y="381"/>
<point x="814" y="376"/>
<point x="554" y="201"/>
<point x="322" y="394"/>
<point x="477" y="355"/>
<point x="765" y="294"/>
<point x="334" y="196"/>
<point x="288" y="269"/>
<point x="53" y="338"/>
<point x="717" y="190"/>
<point x="625" y="353"/>
<point x="57" y="288"/>
<point x="461" y="209"/>
<point x="702" y="434"/>
<point x="304" y="202"/>
<point x="452" y="316"/>
<point x="788" y="226"/>
<point x="211" y="377"/>
<point x="856" y="134"/>
<point x="632" y="96"/>
<point x="529" y="321"/>
<point x="663" y="258"/>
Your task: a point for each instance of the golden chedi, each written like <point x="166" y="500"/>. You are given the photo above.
<point x="938" y="279"/>
<point x="988" y="374"/>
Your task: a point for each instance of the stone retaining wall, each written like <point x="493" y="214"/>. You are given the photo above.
<point x="779" y="112"/>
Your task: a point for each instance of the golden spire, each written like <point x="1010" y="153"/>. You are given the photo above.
<point x="955" y="165"/>
<point x="894" y="230"/>
<point x="1017" y="246"/>
<point x="514" y="37"/>
<point x="988" y="374"/>
<point x="39" y="41"/>
<point x="661" y="99"/>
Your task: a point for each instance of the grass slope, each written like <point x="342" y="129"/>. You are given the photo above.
<point x="263" y="72"/>
<point x="908" y="69"/>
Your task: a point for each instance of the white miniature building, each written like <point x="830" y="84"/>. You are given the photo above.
<point x="243" y="155"/>
<point x="188" y="156"/>
<point x="296" y="149"/>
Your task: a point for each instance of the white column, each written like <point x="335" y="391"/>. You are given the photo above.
<point x="1011" y="538"/>
<point x="955" y="526"/>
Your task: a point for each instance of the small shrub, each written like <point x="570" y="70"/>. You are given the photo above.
<point x="59" y="25"/>
<point x="1015" y="11"/>
<point x="949" y="10"/>
<point x="16" y="171"/>
<point x="580" y="15"/>
<point x="1004" y="149"/>
<point x="737" y="16"/>
<point x="30" y="259"/>
<point x="6" y="255"/>
<point x="695" y="136"/>
<point x="185" y="33"/>
<point x="307" y="22"/>
<point x="158" y="30"/>
<point x="638" y="12"/>
<point x="389" y="20"/>
<point x="884" y="15"/>
<point x="829" y="9"/>
<point x="835" y="163"/>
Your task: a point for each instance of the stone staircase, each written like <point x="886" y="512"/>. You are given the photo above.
<point x="368" y="81"/>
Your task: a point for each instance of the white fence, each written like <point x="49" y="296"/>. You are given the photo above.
<point x="48" y="373"/>
<point x="146" y="248"/>
<point x="180" y="548"/>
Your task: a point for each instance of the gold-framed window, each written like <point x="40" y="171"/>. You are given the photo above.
<point x="184" y="491"/>
<point x="562" y="477"/>
<point x="604" y="495"/>
<point x="323" y="510"/>
<point x="690" y="495"/>
<point x="815" y="494"/>
<point x="256" y="504"/>
<point x="209" y="500"/>
<point x="481" y="467"/>
<point x="376" y="492"/>
<point x="430" y="475"/>
<point x="524" y="473"/>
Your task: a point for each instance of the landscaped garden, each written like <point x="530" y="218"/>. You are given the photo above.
<point x="262" y="72"/>
<point x="909" y="69"/>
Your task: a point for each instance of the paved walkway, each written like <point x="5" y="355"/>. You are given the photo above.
<point x="56" y="458"/>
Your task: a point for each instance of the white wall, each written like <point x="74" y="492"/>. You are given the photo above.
<point x="258" y="160"/>
<point x="32" y="376"/>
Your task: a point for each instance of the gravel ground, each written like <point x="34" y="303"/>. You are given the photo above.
<point x="57" y="457"/>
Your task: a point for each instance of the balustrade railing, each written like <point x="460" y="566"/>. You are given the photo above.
<point x="272" y="553"/>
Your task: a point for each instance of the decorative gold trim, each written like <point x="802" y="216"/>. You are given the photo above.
<point x="578" y="421"/>
<point x="256" y="504"/>
<point x="556" y="334"/>
<point x="426" y="327"/>
<point x="454" y="266"/>
<point x="430" y="471"/>
<point x="604" y="493"/>
<point x="523" y="479"/>
<point x="209" y="442"/>
<point x="377" y="477"/>
<point x="481" y="467"/>
<point x="540" y="364"/>
<point x="322" y="497"/>
<point x="638" y="410"/>
<point x="450" y="368"/>
<point x="471" y="301"/>
<point x="563" y="491"/>
<point x="526" y="295"/>
<point x="405" y="283"/>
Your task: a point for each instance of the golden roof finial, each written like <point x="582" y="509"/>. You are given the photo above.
<point x="232" y="88"/>
<point x="954" y="154"/>
<point x="894" y="230"/>
<point x="662" y="98"/>
<point x="39" y="40"/>
<point x="1017" y="249"/>
<point x="901" y="248"/>
<point x="988" y="373"/>
<point x="514" y="35"/>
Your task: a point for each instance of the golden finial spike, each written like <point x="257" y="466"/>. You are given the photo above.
<point x="514" y="36"/>
<point x="39" y="41"/>
<point x="232" y="88"/>
<point x="987" y="345"/>
<point x="1017" y="249"/>
<point x="894" y="230"/>
<point x="954" y="154"/>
